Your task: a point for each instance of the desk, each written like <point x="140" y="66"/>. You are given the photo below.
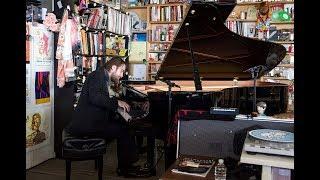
<point x="267" y="161"/>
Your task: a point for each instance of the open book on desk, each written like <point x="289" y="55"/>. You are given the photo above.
<point x="194" y="167"/>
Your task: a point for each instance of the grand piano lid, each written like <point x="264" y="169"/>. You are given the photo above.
<point x="219" y="53"/>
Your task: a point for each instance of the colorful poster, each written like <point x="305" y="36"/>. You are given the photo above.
<point x="42" y="87"/>
<point x="28" y="84"/>
<point x="42" y="43"/>
<point x="138" y="51"/>
<point x="37" y="127"/>
<point x="116" y="46"/>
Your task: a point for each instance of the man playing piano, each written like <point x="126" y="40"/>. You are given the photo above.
<point x="95" y="115"/>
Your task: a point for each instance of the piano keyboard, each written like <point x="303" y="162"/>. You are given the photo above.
<point x="133" y="114"/>
<point x="224" y="113"/>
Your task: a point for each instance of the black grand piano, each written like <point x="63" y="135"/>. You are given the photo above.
<point x="200" y="67"/>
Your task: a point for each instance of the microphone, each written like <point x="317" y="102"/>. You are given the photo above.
<point x="172" y="84"/>
<point x="255" y="68"/>
<point x="168" y="82"/>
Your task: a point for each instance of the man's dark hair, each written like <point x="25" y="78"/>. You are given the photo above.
<point x="114" y="61"/>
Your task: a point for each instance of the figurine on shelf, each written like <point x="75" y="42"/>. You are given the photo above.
<point x="261" y="108"/>
<point x="51" y="22"/>
<point x="263" y="21"/>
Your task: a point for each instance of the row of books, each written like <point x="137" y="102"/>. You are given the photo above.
<point x="119" y="22"/>
<point x="168" y="1"/>
<point x="168" y="13"/>
<point x="162" y="32"/>
<point x="247" y="29"/>
<point x="103" y="44"/>
<point x="153" y="68"/>
<point x="114" y="20"/>
<point x="156" y="56"/>
<point x="159" y="46"/>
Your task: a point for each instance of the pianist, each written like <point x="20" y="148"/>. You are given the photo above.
<point x="95" y="115"/>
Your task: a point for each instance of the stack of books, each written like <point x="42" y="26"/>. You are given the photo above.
<point x="194" y="167"/>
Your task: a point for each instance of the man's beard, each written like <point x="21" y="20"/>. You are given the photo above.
<point x="114" y="79"/>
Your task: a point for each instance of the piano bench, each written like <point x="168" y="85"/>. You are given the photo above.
<point x="81" y="149"/>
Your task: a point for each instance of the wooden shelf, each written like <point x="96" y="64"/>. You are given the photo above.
<point x="283" y="42"/>
<point x="87" y="29"/>
<point x="286" y="65"/>
<point x="104" y="55"/>
<point x="160" y="41"/>
<point x="154" y="62"/>
<point x="165" y="22"/>
<point x="139" y="31"/>
<point x="136" y="62"/>
<point x="282" y="22"/>
<point x="274" y="2"/>
<point x="275" y="78"/>
<point x="157" y="51"/>
<point x="167" y="4"/>
<point x="254" y="20"/>
<point x="242" y="20"/>
<point x="137" y="7"/>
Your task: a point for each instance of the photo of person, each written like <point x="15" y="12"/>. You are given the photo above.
<point x="42" y="88"/>
<point x="36" y="136"/>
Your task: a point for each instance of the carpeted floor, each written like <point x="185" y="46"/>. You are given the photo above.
<point x="54" y="169"/>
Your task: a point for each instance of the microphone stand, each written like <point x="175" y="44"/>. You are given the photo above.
<point x="254" y="74"/>
<point x="170" y="85"/>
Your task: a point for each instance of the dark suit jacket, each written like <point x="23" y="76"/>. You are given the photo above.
<point x="95" y="106"/>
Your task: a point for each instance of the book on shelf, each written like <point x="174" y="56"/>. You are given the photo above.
<point x="159" y="46"/>
<point x="118" y="22"/>
<point x="167" y="13"/>
<point x="153" y="68"/>
<point x="163" y="32"/>
<point x="137" y="23"/>
<point x="194" y="167"/>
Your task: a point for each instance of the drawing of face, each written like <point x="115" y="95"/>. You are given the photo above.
<point x="36" y="121"/>
<point x="43" y="45"/>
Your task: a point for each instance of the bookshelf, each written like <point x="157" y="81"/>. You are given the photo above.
<point x="163" y="21"/>
<point x="138" y="44"/>
<point x="244" y="19"/>
<point x="104" y="32"/>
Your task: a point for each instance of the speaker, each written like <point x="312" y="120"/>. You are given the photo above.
<point x="203" y="138"/>
<point x="219" y="138"/>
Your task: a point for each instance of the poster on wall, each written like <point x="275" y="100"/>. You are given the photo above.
<point x="28" y="85"/>
<point x="39" y="96"/>
<point x="38" y="122"/>
<point x="42" y="43"/>
<point x="42" y="87"/>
